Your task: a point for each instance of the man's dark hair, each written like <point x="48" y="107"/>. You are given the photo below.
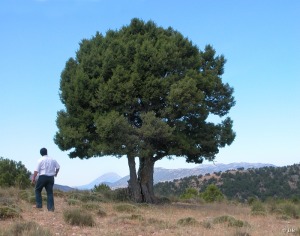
<point x="43" y="151"/>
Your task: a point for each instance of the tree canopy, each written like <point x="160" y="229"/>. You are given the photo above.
<point x="147" y="92"/>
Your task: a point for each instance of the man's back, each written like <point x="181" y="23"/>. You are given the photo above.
<point x="47" y="166"/>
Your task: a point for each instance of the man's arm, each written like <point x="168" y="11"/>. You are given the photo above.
<point x="57" y="168"/>
<point x="34" y="176"/>
<point x="56" y="171"/>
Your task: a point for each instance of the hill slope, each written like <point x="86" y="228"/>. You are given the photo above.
<point x="278" y="182"/>
<point x="162" y="174"/>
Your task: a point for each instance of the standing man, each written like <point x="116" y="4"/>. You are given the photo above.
<point x="47" y="168"/>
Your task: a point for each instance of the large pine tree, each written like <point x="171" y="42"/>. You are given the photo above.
<point x="144" y="91"/>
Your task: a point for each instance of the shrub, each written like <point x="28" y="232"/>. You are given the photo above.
<point x="258" y="208"/>
<point x="59" y="193"/>
<point x="91" y="196"/>
<point x="7" y="201"/>
<point x="212" y="193"/>
<point x="189" y="194"/>
<point x="251" y="200"/>
<point x="26" y="228"/>
<point x="189" y="221"/>
<point x="159" y="224"/>
<point x="291" y="210"/>
<point x="24" y="195"/>
<point x="206" y="224"/>
<point x="223" y="219"/>
<point x="92" y="206"/>
<point x="163" y="200"/>
<point x="241" y="233"/>
<point x="13" y="174"/>
<point x="101" y="213"/>
<point x="231" y="221"/>
<point x="295" y="199"/>
<point x="125" y="208"/>
<point x="101" y="188"/>
<point x="29" y="196"/>
<point x="72" y="202"/>
<point x="86" y="196"/>
<point x="7" y="212"/>
<point x="120" y="195"/>
<point x="78" y="217"/>
<point x="137" y="217"/>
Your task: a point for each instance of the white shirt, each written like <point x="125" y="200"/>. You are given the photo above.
<point x="47" y="166"/>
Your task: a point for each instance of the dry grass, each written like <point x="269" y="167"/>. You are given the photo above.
<point x="177" y="219"/>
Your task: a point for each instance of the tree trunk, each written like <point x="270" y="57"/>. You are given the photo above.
<point x="134" y="187"/>
<point x="145" y="179"/>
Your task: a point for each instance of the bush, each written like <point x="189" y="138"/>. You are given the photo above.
<point x="7" y="201"/>
<point x="291" y="210"/>
<point x="91" y="206"/>
<point x="26" y="228"/>
<point x="231" y="221"/>
<point x="189" y="221"/>
<point x="13" y="174"/>
<point x="125" y="208"/>
<point x="163" y="200"/>
<point x="24" y="195"/>
<point x="258" y="208"/>
<point x="101" y="188"/>
<point x="212" y="193"/>
<point x="72" y="202"/>
<point x="120" y="195"/>
<point x="101" y="213"/>
<point x="206" y="224"/>
<point x="189" y="194"/>
<point x="7" y="212"/>
<point x="78" y="217"/>
<point x="86" y="196"/>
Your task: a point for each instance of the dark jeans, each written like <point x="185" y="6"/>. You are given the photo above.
<point x="47" y="182"/>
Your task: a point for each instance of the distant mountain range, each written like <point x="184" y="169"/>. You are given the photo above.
<point x="108" y="179"/>
<point x="114" y="181"/>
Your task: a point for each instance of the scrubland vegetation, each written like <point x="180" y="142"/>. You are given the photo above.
<point x="184" y="207"/>
<point x="107" y="212"/>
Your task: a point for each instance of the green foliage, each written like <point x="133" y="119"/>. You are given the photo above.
<point x="120" y="195"/>
<point x="73" y="202"/>
<point x="29" y="196"/>
<point x="7" y="212"/>
<point x="144" y="91"/>
<point x="189" y="194"/>
<point x="287" y="209"/>
<point x="154" y="78"/>
<point x="231" y="221"/>
<point x="258" y="208"/>
<point x="129" y="208"/>
<point x="101" y="188"/>
<point x="93" y="206"/>
<point x="241" y="233"/>
<point x="26" y="229"/>
<point x="277" y="183"/>
<point x="13" y="173"/>
<point x="189" y="221"/>
<point x="86" y="196"/>
<point x="212" y="193"/>
<point x="101" y="213"/>
<point x="207" y="224"/>
<point x="78" y="217"/>
<point x="291" y="210"/>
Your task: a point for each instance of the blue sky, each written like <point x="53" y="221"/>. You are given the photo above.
<point x="259" y="39"/>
